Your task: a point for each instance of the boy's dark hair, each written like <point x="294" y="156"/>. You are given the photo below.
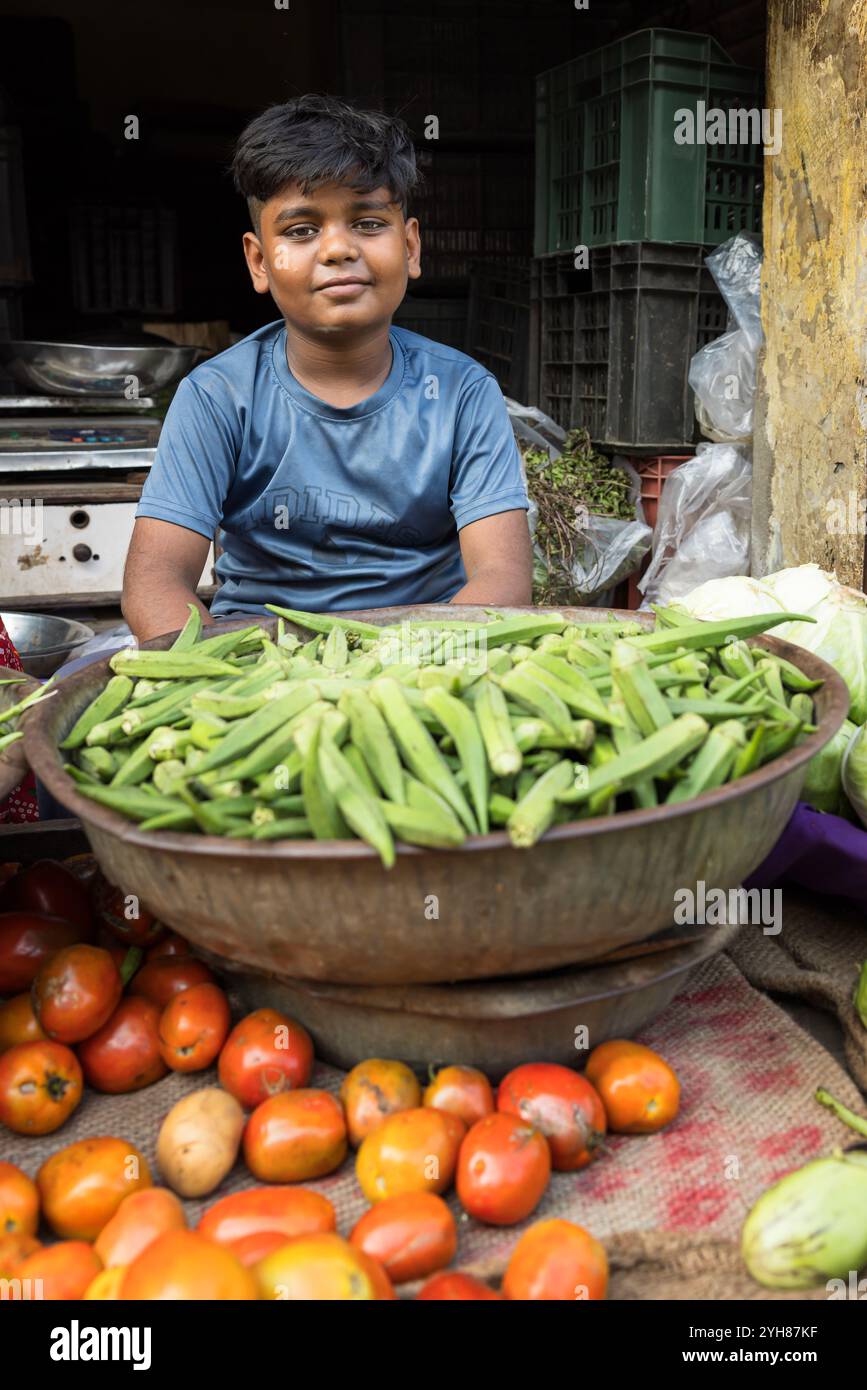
<point x="320" y="139"/>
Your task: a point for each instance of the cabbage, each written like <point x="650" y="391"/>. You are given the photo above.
<point x="855" y="773"/>
<point x="801" y="588"/>
<point x="839" y="636"/>
<point x="824" y="787"/>
<point x="735" y="597"/>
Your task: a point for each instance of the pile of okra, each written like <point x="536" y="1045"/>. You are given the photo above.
<point x="432" y="731"/>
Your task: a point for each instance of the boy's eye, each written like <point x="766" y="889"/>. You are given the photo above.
<point x="370" y="224"/>
<point x="302" y="229"/>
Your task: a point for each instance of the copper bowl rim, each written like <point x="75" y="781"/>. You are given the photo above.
<point x="45" y="759"/>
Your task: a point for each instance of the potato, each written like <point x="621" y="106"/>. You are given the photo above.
<point x="199" y="1141"/>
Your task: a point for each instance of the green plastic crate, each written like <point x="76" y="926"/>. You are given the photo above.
<point x="607" y="166"/>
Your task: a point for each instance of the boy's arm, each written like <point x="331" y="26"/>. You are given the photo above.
<point x="498" y="559"/>
<point x="163" y="567"/>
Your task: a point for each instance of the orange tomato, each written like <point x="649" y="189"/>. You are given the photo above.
<point x="165" y="976"/>
<point x="293" y="1211"/>
<point x="193" y="1028"/>
<point x="294" y="1136"/>
<point x="18" y="1022"/>
<point x="321" y="1267"/>
<point x="124" y="1054"/>
<point x="251" y="1250"/>
<point x="412" y="1151"/>
<point x="107" y="1284"/>
<point x="372" y="1091"/>
<point x="140" y="1218"/>
<point x="19" y="1202"/>
<point x="40" y="1086"/>
<point x="411" y="1235"/>
<point x="182" y="1265"/>
<point x="463" y="1091"/>
<point x="639" y="1090"/>
<point x="562" y="1105"/>
<point x="82" y="1186"/>
<point x="14" y="1249"/>
<point x="76" y="992"/>
<point x="66" y="1270"/>
<point x="503" y="1170"/>
<point x="451" y="1287"/>
<point x="264" y="1054"/>
<point x="557" y="1260"/>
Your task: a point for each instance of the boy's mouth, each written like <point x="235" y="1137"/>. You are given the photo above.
<point x="343" y="287"/>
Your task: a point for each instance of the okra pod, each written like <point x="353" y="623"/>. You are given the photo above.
<point x="335" y="653"/>
<point x="419" y="750"/>
<point x="108" y="703"/>
<point x="574" y="689"/>
<point x="138" y="766"/>
<point x="247" y="733"/>
<point x="320" y="804"/>
<point x="709" y="635"/>
<point x="421" y="827"/>
<point x="657" y="754"/>
<point x="523" y="685"/>
<point x="189" y="633"/>
<point x="495" y="726"/>
<point x="642" y="790"/>
<point x="638" y="690"/>
<point x="712" y="763"/>
<point x="535" y="810"/>
<point x="99" y="762"/>
<point x="324" y="622"/>
<point x="355" y="758"/>
<point x="500" y="808"/>
<point x="287" y="828"/>
<point x="371" y="735"/>
<point x="460" y="722"/>
<point x="130" y="661"/>
<point x="361" y="811"/>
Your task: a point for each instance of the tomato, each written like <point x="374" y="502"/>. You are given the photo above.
<point x="40" y="1086"/>
<point x="49" y="888"/>
<point x="412" y="1151"/>
<point x="452" y="1287"/>
<point x="557" y="1260"/>
<point x="294" y="1211"/>
<point x="560" y="1103"/>
<point x="163" y="978"/>
<point x="82" y="1186"/>
<point x="251" y="1249"/>
<point x="321" y="1267"/>
<point x="411" y="1235"/>
<point x="18" y="1022"/>
<point x="76" y="992"/>
<point x="182" y="1265"/>
<point x="503" y="1170"/>
<point x="66" y="1270"/>
<point x="27" y="939"/>
<point x="106" y="1285"/>
<point x="8" y="869"/>
<point x="140" y="1218"/>
<point x="294" y="1136"/>
<point x="14" y="1249"/>
<point x="124" y="1054"/>
<point x="121" y="914"/>
<point x="193" y="1028"/>
<point x="463" y="1091"/>
<point x="265" y="1053"/>
<point x="639" y="1090"/>
<point x="372" y="1091"/>
<point x="19" y="1202"/>
<point x="169" y="945"/>
<point x="83" y="866"/>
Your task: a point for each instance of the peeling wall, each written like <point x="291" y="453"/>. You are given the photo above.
<point x="810" y="447"/>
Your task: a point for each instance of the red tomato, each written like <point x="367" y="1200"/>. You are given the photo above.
<point x="251" y="1249"/>
<point x="557" y="1260"/>
<point x="27" y="939"/>
<point x="503" y="1170"/>
<point x="18" y="1022"/>
<point x="265" y="1053"/>
<point x="193" y="1028"/>
<point x="182" y="1265"/>
<point x="49" y="888"/>
<point x="449" y="1287"/>
<point x="411" y="1235"/>
<point x="59" y="1272"/>
<point x="82" y="1186"/>
<point x="463" y="1091"/>
<point x="124" y="1054"/>
<point x="410" y="1151"/>
<point x="76" y="992"/>
<point x="40" y="1086"/>
<point x="19" y="1202"/>
<point x="291" y="1211"/>
<point x="140" y="1218"/>
<point x="163" y="978"/>
<point x="560" y="1103"/>
<point x="121" y="914"/>
<point x="294" y="1136"/>
<point x="169" y="945"/>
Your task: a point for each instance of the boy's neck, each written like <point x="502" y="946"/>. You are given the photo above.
<point x="341" y="374"/>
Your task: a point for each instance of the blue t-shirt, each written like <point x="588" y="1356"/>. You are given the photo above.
<point x="326" y="508"/>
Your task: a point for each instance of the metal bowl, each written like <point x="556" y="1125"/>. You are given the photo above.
<point x="82" y="369"/>
<point x="13" y="762"/>
<point x="44" y="642"/>
<point x="328" y="910"/>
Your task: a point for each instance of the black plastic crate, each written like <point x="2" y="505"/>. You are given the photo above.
<point x="615" y="341"/>
<point x="444" y="320"/>
<point x="498" y="323"/>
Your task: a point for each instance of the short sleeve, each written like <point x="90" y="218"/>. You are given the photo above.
<point x="486" y="475"/>
<point x="195" y="463"/>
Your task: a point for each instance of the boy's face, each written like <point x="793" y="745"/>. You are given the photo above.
<point x="334" y="260"/>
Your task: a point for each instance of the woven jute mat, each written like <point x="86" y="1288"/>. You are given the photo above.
<point x="670" y="1206"/>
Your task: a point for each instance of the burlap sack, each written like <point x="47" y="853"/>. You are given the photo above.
<point x="665" y="1205"/>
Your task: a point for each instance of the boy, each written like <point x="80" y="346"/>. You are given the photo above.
<point x="348" y="463"/>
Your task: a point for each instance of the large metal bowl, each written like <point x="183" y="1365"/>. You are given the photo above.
<point x="82" y="369"/>
<point x="44" y="641"/>
<point x="328" y="910"/>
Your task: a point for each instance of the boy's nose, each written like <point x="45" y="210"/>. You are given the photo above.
<point x="336" y="245"/>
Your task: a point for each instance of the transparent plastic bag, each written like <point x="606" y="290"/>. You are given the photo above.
<point x="723" y="373"/>
<point x="703" y="525"/>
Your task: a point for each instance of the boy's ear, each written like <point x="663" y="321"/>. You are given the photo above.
<point x="413" y="248"/>
<point x="256" y="263"/>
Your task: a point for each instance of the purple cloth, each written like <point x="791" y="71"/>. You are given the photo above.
<point x="823" y="853"/>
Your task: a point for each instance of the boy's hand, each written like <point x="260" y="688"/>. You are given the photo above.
<point x="498" y="559"/>
<point x="163" y="568"/>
